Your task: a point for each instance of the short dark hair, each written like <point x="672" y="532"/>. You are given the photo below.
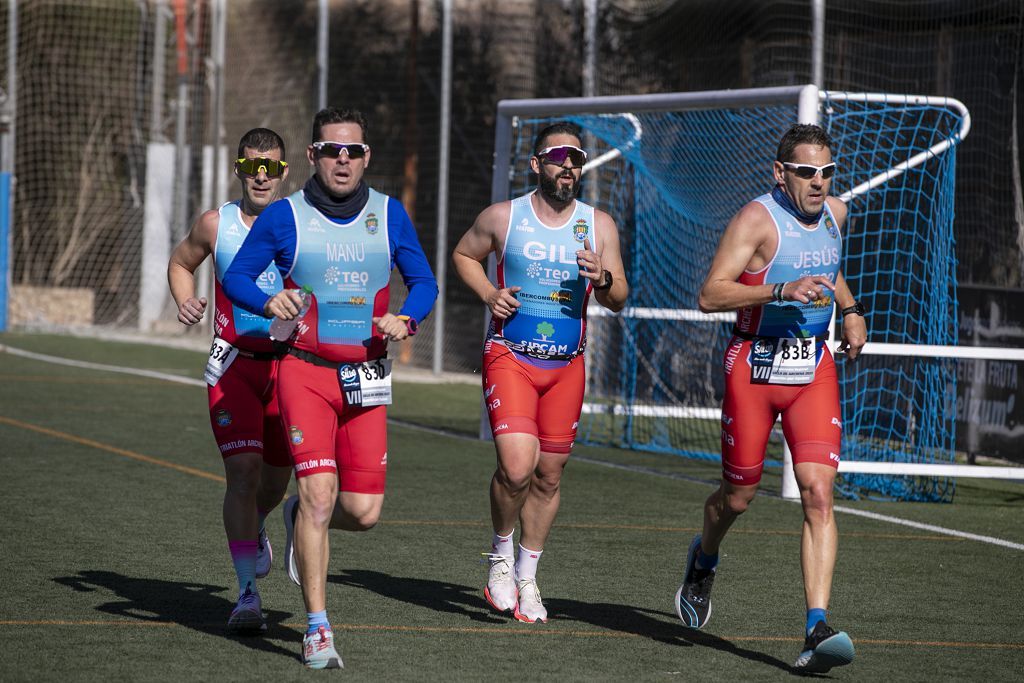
<point x="335" y="115"/>
<point x="801" y="134"/>
<point x="558" y="128"/>
<point x="261" y="140"/>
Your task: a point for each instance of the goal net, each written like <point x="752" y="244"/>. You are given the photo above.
<point x="672" y="170"/>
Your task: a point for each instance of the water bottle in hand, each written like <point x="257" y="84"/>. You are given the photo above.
<point x="281" y="329"/>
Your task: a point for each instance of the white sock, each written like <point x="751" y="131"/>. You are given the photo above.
<point x="502" y="545"/>
<point x="526" y="565"/>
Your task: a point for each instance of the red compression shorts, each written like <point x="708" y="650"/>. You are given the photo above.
<point x="244" y="411"/>
<point x="326" y="435"/>
<point x="810" y="416"/>
<point x="524" y="399"/>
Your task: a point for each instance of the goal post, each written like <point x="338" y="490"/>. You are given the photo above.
<point x="672" y="169"/>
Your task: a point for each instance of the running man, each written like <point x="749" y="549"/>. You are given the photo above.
<point x="553" y="252"/>
<point x="341" y="238"/>
<point x="241" y="373"/>
<point x="777" y="265"/>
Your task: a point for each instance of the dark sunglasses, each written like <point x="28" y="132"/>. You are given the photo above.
<point x="252" y="167"/>
<point x="558" y="155"/>
<point x="354" y="150"/>
<point x="807" y="171"/>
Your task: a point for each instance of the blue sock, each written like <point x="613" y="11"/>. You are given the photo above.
<point x="316" y="620"/>
<point x="813" y="617"/>
<point x="705" y="561"/>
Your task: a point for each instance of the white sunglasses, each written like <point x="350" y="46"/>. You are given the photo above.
<point x="808" y="171"/>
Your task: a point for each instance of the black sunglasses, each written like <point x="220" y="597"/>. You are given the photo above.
<point x="354" y="150"/>
<point x="558" y="155"/>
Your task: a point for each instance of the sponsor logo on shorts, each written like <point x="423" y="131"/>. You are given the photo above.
<point x="384" y="460"/>
<point x="316" y="462"/>
<point x="295" y="435"/>
<point x="490" y="390"/>
<point x="837" y="423"/>
<point x="503" y="426"/>
<point x="223" y="418"/>
<point x="727" y="419"/>
<point x="348" y="374"/>
<point x="733" y="475"/>
<point x="833" y="456"/>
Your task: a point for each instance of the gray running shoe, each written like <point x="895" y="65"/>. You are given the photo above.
<point x="291" y="508"/>
<point x="247" y="616"/>
<point x="823" y="649"/>
<point x="693" y="599"/>
<point x="264" y="555"/>
<point x="318" y="650"/>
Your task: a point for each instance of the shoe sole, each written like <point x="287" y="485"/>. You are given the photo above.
<point x="689" y="616"/>
<point x="247" y="623"/>
<point x="527" y="620"/>
<point x="490" y="601"/>
<point x="329" y="663"/>
<point x="830" y="653"/>
<point x="289" y="546"/>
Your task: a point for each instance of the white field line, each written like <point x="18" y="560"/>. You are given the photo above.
<point x="640" y="470"/>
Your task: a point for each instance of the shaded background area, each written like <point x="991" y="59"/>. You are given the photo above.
<point x="99" y="89"/>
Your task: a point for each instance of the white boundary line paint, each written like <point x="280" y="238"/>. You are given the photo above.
<point x="441" y="432"/>
<point x="99" y="366"/>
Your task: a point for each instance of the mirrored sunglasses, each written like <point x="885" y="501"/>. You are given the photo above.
<point x="557" y="155"/>
<point x="252" y="167"/>
<point x="807" y="171"/>
<point x="354" y="150"/>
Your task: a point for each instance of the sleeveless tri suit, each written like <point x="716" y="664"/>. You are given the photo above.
<point x="244" y="410"/>
<point x="778" y="361"/>
<point x="534" y="377"/>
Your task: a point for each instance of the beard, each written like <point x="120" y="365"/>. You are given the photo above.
<point x="549" y="187"/>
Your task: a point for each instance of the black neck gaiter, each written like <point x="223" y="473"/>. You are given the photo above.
<point x="336" y="207"/>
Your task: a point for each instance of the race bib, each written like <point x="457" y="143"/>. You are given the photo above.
<point x="782" y="360"/>
<point x="366" y="384"/>
<point x="222" y="355"/>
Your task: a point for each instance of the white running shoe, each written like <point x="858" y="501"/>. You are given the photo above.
<point x="501" y="590"/>
<point x="318" y="650"/>
<point x="530" y="608"/>
<point x="247" y="616"/>
<point x="291" y="508"/>
<point x="264" y="555"/>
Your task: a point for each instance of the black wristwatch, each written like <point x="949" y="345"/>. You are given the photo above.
<point x="606" y="283"/>
<point x="857" y="308"/>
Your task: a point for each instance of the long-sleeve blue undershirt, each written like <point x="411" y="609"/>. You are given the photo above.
<point x="273" y="238"/>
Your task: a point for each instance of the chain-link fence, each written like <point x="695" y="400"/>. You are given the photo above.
<point x="107" y="91"/>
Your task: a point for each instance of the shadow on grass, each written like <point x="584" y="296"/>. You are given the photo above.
<point x="469" y="602"/>
<point x="435" y="595"/>
<point x="660" y="626"/>
<point x="192" y="605"/>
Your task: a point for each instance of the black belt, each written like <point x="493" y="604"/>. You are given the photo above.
<point x="750" y="337"/>
<point x="277" y="354"/>
<point x="318" y="361"/>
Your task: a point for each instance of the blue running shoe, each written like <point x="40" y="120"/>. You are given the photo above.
<point x="318" y="650"/>
<point x="247" y="616"/>
<point x="291" y="508"/>
<point x="823" y="649"/>
<point x="264" y="555"/>
<point x="693" y="599"/>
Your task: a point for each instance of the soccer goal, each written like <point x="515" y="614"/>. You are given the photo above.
<point x="672" y="169"/>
